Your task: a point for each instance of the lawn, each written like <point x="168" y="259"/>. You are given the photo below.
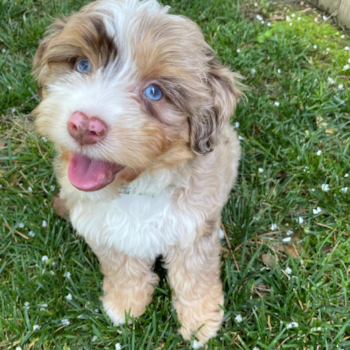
<point x="286" y="260"/>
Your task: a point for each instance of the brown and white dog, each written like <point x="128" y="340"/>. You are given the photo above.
<point x="138" y="107"/>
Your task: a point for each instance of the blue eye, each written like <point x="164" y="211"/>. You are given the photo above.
<point x="83" y="66"/>
<point x="153" y="92"/>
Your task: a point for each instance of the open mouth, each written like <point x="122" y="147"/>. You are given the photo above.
<point x="88" y="174"/>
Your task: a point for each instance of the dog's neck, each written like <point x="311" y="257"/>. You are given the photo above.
<point x="155" y="182"/>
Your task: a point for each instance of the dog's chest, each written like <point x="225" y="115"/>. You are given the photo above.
<point x="139" y="225"/>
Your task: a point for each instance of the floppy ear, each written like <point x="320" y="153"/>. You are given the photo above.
<point x="40" y="63"/>
<point x="224" y="88"/>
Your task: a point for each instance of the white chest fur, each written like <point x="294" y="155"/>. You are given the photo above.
<point x="139" y="225"/>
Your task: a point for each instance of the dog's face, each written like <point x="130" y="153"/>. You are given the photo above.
<point x="127" y="87"/>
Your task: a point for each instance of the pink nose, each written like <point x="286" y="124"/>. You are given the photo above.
<point x="86" y="130"/>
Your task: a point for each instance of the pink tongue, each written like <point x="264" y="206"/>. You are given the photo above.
<point x="88" y="174"/>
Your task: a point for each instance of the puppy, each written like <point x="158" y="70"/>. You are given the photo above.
<point x="138" y="107"/>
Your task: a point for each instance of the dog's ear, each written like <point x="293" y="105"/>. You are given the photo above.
<point x="225" y="90"/>
<point x="39" y="62"/>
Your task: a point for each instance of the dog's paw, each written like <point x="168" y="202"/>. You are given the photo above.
<point x="197" y="344"/>
<point x="202" y="320"/>
<point x="117" y="317"/>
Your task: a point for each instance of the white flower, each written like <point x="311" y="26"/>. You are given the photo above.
<point x="325" y="187"/>
<point x="44" y="258"/>
<point x="237" y="125"/>
<point x="118" y="346"/>
<point x="44" y="223"/>
<point x="278" y="71"/>
<point x="21" y="225"/>
<point x="52" y="187"/>
<point x="299" y="18"/>
<point x="340" y="86"/>
<point x="256" y="348"/>
<point x="288" y="270"/>
<point x="65" y="322"/>
<point x="349" y="60"/>
<point x="31" y="234"/>
<point x="13" y="110"/>
<point x="287" y="239"/>
<point x="67" y="274"/>
<point x="238" y="318"/>
<point x="255" y="4"/>
<point x="293" y="14"/>
<point x="260" y="170"/>
<point x="253" y="70"/>
<point x="315" y="46"/>
<point x="18" y="348"/>
<point x="268" y="24"/>
<point x="52" y="272"/>
<point x="299" y="220"/>
<point x="289" y="232"/>
<point x="292" y="325"/>
<point x="240" y="137"/>
<point x="26" y="304"/>
<point x="44" y="138"/>
<point x="324" y="18"/>
<point x="262" y="22"/>
<point x="276" y="103"/>
<point x="327" y="49"/>
<point x="35" y="327"/>
<point x="69" y="297"/>
<point x="331" y="81"/>
<point x="30" y="189"/>
<point x="344" y="189"/>
<point x="291" y="23"/>
<point x="259" y="17"/>
<point x="319" y="152"/>
<point x="10" y="87"/>
<point x="346" y="67"/>
<point x="317" y="210"/>
<point x="346" y="175"/>
<point x="43" y="305"/>
<point x="273" y="227"/>
<point x="238" y="50"/>
<point x="313" y="190"/>
<point x="342" y="36"/>
<point x="346" y="48"/>
<point x="287" y="18"/>
<point x="94" y="338"/>
<point x="3" y="50"/>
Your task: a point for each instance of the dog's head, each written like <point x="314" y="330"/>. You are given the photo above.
<point x="127" y="87"/>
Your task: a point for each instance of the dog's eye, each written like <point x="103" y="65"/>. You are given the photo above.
<point x="153" y="92"/>
<point x="83" y="66"/>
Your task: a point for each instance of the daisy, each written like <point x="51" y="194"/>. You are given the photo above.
<point x="288" y="270"/>
<point x="239" y="318"/>
<point x="325" y="187"/>
<point x="292" y="325"/>
<point x="273" y="227"/>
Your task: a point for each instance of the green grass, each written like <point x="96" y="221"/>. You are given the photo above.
<point x="282" y="141"/>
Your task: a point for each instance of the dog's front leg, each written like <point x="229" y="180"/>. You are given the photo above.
<point x="128" y="284"/>
<point x="194" y="275"/>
